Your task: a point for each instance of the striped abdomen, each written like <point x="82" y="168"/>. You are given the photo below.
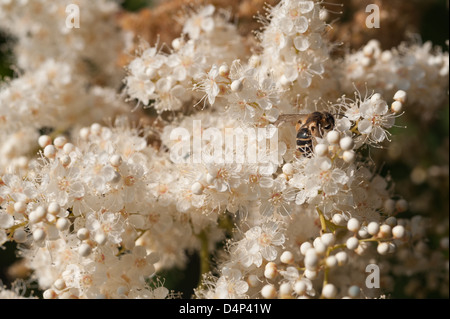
<point x="304" y="141"/>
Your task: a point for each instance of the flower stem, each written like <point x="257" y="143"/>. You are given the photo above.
<point x="204" y="256"/>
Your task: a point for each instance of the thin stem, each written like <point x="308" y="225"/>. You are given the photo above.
<point x="204" y="256"/>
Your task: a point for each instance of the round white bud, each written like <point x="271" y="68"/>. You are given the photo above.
<point x="304" y="247"/>
<point x="285" y="290"/>
<point x="342" y="258"/>
<point x="44" y="140"/>
<point x="346" y="143"/>
<point x="50" y="151"/>
<point x="84" y="133"/>
<point x="396" y="107"/>
<point x="321" y="149"/>
<point x="373" y="228"/>
<point x="338" y="219"/>
<point x="363" y="233"/>
<point x="400" y="96"/>
<point x="237" y="85"/>
<point x="398" y="231"/>
<point x="328" y="239"/>
<point x="177" y="43"/>
<point x="333" y="137"/>
<point x="300" y="287"/>
<point x="59" y="284"/>
<point x="37" y="215"/>
<point x="224" y="70"/>
<point x="39" y="235"/>
<point x="20" y="236"/>
<point x="331" y="261"/>
<point x="310" y="274"/>
<point x="352" y="243"/>
<point x="311" y="259"/>
<point x="288" y="169"/>
<point x="96" y="128"/>
<point x="60" y="141"/>
<point x="115" y="160"/>
<point x="383" y="248"/>
<point x="20" y="207"/>
<point x="268" y="292"/>
<point x="287" y="257"/>
<point x="329" y="291"/>
<point x="84" y="250"/>
<point x="62" y="224"/>
<point x="83" y="233"/>
<point x="197" y="188"/>
<point x="375" y="98"/>
<point x="385" y="231"/>
<point x="319" y="247"/>
<point x="353" y="225"/>
<point x="349" y="156"/>
<point x="100" y="238"/>
<point x="270" y="273"/>
<point x="68" y="148"/>
<point x="53" y="208"/>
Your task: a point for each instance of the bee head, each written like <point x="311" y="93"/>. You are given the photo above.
<point x="327" y="121"/>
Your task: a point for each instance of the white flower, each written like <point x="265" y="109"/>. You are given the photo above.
<point x="201" y="21"/>
<point x="277" y="199"/>
<point x="375" y="120"/>
<point x="108" y="224"/>
<point x="230" y="285"/>
<point x="261" y="243"/>
<point x="318" y="175"/>
<point x="209" y="84"/>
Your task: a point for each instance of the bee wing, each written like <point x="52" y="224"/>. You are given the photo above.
<point x="291" y="118"/>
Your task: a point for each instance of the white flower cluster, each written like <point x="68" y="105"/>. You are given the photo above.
<point x="102" y="209"/>
<point x="165" y="80"/>
<point x="418" y="69"/>
<point x="40" y="27"/>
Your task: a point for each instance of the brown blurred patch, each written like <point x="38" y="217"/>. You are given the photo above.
<point x="398" y="19"/>
<point x="160" y="24"/>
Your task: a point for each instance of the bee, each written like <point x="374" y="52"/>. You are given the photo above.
<point x="307" y="126"/>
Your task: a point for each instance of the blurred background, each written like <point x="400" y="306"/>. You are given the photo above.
<point x="418" y="157"/>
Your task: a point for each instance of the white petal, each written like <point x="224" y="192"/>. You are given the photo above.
<point x="304" y="80"/>
<point x="6" y="220"/>
<point x="301" y="43"/>
<point x="306" y="6"/>
<point x="365" y="126"/>
<point x="302" y="24"/>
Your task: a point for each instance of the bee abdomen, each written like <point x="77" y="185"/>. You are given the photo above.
<point x="304" y="142"/>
